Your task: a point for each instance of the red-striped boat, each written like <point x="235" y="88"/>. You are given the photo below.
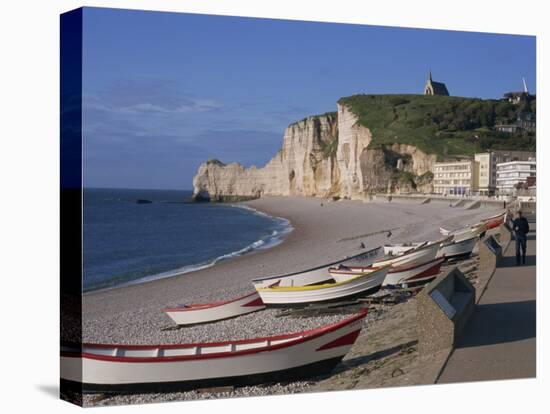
<point x="209" y="312"/>
<point x="494" y="221"/>
<point x="397" y="275"/>
<point x="161" y="368"/>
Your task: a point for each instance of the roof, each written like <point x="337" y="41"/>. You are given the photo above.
<point x="439" y="88"/>
<point x="512" y="94"/>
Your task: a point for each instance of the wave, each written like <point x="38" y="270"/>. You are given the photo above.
<point x="275" y="238"/>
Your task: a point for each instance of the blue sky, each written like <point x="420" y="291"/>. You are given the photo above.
<point x="163" y="92"/>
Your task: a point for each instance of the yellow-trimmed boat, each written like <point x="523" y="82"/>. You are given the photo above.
<point x="365" y="282"/>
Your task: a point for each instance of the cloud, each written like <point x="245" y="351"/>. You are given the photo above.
<point x="148" y="97"/>
<point x="151" y="134"/>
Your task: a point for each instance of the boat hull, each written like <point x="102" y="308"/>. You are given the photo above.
<point x="315" y="275"/>
<point x="448" y="250"/>
<point x="291" y="374"/>
<point x="419" y="254"/>
<point x="99" y="368"/>
<point x="361" y="284"/>
<point x="398" y="274"/>
<point x="455" y="249"/>
<point x="197" y="314"/>
<point x="494" y="222"/>
<point x="420" y="273"/>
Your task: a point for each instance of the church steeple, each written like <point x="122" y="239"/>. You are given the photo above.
<point x="434" y="88"/>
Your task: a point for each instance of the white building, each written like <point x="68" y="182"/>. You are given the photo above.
<point x="488" y="167"/>
<point x="509" y="174"/>
<point x="456" y="178"/>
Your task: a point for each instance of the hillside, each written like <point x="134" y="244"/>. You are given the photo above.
<point x="372" y="143"/>
<point x="442" y="125"/>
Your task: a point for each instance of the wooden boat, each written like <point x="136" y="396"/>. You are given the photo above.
<point x="449" y="249"/>
<point x="162" y="368"/>
<point x="455" y="249"/>
<point x="465" y="233"/>
<point x="476" y="229"/>
<point x="410" y="255"/>
<point x="397" y="275"/>
<point x="313" y="275"/>
<point x="494" y="221"/>
<point x="364" y="283"/>
<point x="215" y="311"/>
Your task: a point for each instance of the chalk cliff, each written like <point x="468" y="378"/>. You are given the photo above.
<point x="325" y="156"/>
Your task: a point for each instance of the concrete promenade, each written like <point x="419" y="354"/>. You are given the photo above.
<point x="499" y="341"/>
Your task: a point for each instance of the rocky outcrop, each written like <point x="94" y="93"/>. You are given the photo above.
<point x="325" y="156"/>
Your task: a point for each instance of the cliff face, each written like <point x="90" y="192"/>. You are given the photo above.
<point x="322" y="156"/>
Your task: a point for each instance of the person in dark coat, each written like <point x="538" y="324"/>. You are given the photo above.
<point x="521" y="228"/>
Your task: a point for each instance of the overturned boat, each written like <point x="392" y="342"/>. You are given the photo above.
<point x="397" y="274"/>
<point x="314" y="275"/>
<point x="209" y="312"/>
<point x="362" y="284"/>
<point x="163" y="368"/>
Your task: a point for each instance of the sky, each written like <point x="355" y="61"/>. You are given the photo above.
<point x="164" y="92"/>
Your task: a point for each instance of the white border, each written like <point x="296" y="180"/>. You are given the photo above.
<point x="29" y="206"/>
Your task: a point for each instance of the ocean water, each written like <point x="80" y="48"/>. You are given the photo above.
<point x="126" y="242"/>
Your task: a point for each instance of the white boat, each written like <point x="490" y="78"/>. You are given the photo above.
<point x="162" y="368"/>
<point x="494" y="221"/>
<point x="364" y="283"/>
<point x="215" y="311"/>
<point x="313" y="275"/>
<point x="409" y="255"/>
<point x="465" y="233"/>
<point x="397" y="275"/>
<point x="448" y="249"/>
<point x="456" y="249"/>
<point x="475" y="229"/>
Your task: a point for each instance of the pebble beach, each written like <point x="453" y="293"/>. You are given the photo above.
<point x="323" y="231"/>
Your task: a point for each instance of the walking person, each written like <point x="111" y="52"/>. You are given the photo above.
<point x="521" y="228"/>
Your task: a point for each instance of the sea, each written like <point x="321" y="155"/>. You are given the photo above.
<point x="126" y="242"/>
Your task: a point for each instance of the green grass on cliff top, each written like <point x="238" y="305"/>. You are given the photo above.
<point x="443" y="125"/>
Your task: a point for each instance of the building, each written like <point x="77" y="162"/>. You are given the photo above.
<point x="518" y="96"/>
<point x="515" y="174"/>
<point x="456" y="178"/>
<point x="435" y="88"/>
<point x="525" y="122"/>
<point x="487" y="167"/>
<point x="508" y="128"/>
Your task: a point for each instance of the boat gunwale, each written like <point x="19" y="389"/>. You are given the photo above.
<point x="365" y="275"/>
<point x="202" y="306"/>
<point x="393" y="269"/>
<point x="316" y="267"/>
<point x="454" y="242"/>
<point x="299" y="337"/>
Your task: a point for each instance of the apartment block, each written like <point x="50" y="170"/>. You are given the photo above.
<point x="488" y="161"/>
<point x="510" y="174"/>
<point x="456" y="178"/>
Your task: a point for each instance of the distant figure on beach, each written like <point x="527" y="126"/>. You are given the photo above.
<point x="521" y="228"/>
<point x="362" y="245"/>
<point x="389" y="234"/>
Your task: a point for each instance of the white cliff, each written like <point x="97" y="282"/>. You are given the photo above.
<point x="323" y="156"/>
